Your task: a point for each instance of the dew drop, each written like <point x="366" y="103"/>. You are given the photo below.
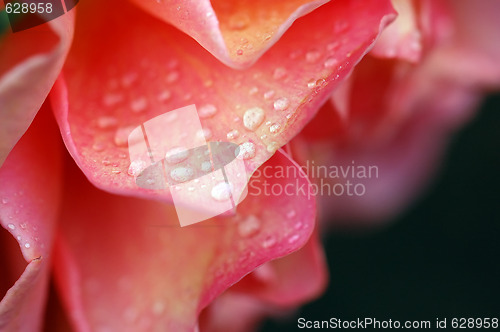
<point x="253" y="118"/>
<point x="139" y="105"/>
<point x="164" y="95"/>
<point x="239" y="52"/>
<point x="136" y="167"/>
<point x="293" y="238"/>
<point x="11" y="226"/>
<point x="313" y="56"/>
<point x="272" y="147"/>
<point x="269" y="242"/>
<point x="291" y="214"/>
<point x="233" y="134"/>
<point x="27" y="245"/>
<point x="269" y="94"/>
<point x="204" y="133"/>
<point x="221" y="191"/>
<point x="250" y="226"/>
<point x="281" y="104"/>
<point x="253" y="91"/>
<point x="5" y="200"/>
<point x="19" y="238"/>
<point x="207" y="111"/>
<point x="23" y="225"/>
<point x="206" y="166"/>
<point x="176" y="155"/>
<point x="172" y="77"/>
<point x="274" y="128"/>
<point x="106" y="122"/>
<point x="182" y="174"/>
<point x="106" y="162"/>
<point x="112" y="99"/>
<point x="245" y="151"/>
<point x="331" y="62"/>
<point x="311" y="84"/>
<point x="279" y="73"/>
<point x="128" y="79"/>
<point x="299" y="225"/>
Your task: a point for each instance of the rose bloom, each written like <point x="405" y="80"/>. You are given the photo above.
<point x="335" y="83"/>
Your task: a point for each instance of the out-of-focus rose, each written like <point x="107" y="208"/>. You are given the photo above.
<point x="397" y="111"/>
<point x="120" y="261"/>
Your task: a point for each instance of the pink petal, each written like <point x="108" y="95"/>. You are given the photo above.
<point x="289" y="281"/>
<point x="116" y="79"/>
<point x="29" y="197"/>
<point x="125" y="264"/>
<point x="402" y="38"/>
<point x="30" y="61"/>
<point x="236" y="32"/>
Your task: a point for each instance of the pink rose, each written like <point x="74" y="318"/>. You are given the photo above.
<point x="115" y="251"/>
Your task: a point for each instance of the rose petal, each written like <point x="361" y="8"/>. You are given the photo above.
<point x="236" y="32"/>
<point x="28" y="70"/>
<point x="236" y="312"/>
<point x="400" y="126"/>
<point x="116" y="79"/>
<point x="125" y="263"/>
<point x="402" y="38"/>
<point x="29" y="197"/>
<point x="289" y="281"/>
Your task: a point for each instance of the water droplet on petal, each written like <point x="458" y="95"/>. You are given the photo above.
<point x="172" y="77"/>
<point x="239" y="52"/>
<point x="331" y="62"/>
<point x="164" y="95"/>
<point x="207" y="111"/>
<point x="105" y="122"/>
<point x="253" y="91"/>
<point x="27" y="245"/>
<point x="233" y="134"/>
<point x="176" y="155"/>
<point x="279" y="73"/>
<point x="272" y="147"/>
<point x="11" y="226"/>
<point x="274" y="128"/>
<point x="281" y="104"/>
<point x="313" y="56"/>
<point x="139" y="105"/>
<point x="269" y="242"/>
<point x="253" y="118"/>
<point x="23" y="225"/>
<point x="269" y="94"/>
<point x="204" y="133"/>
<point x="136" y="167"/>
<point x="221" y="191"/>
<point x="293" y="238"/>
<point x="112" y="99"/>
<point x="311" y="84"/>
<point x="182" y="174"/>
<point x="291" y="214"/>
<point x="206" y="166"/>
<point x="245" y="151"/>
<point x="248" y="227"/>
<point x="5" y="200"/>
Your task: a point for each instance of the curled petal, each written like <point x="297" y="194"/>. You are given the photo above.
<point x="29" y="198"/>
<point x="116" y="79"/>
<point x="236" y="32"/>
<point x="125" y="262"/>
<point x="30" y="61"/>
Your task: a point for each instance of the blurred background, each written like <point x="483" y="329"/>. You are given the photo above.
<point x="439" y="259"/>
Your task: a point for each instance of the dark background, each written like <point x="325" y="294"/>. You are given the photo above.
<point x="439" y="259"/>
